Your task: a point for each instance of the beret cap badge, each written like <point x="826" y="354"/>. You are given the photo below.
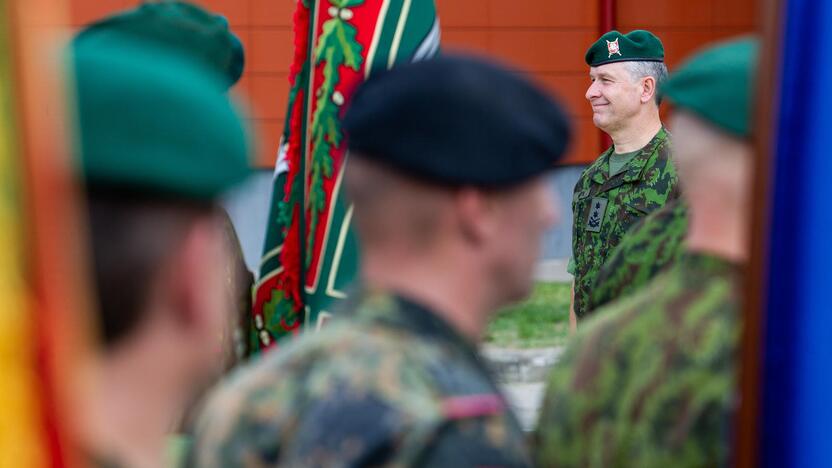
<point x="613" y="48"/>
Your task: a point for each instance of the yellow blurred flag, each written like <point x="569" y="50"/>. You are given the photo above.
<point x="22" y="435"/>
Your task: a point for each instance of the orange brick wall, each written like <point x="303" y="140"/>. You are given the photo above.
<point x="544" y="38"/>
<point x="548" y="39"/>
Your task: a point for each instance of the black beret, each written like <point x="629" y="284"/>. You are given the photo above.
<point x="457" y="120"/>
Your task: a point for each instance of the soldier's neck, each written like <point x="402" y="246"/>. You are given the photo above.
<point x="134" y="405"/>
<point x="451" y="292"/>
<point x="637" y="133"/>
<point x="719" y="230"/>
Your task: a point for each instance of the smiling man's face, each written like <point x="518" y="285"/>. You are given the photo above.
<point x="615" y="95"/>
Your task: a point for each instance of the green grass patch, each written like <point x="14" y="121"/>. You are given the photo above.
<point x="540" y="321"/>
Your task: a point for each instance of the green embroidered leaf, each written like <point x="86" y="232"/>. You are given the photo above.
<point x="339" y="37"/>
<point x="333" y="131"/>
<point x="350" y="47"/>
<point x="327" y="167"/>
<point x="271" y="308"/>
<point x="283" y="311"/>
<point x="326" y="39"/>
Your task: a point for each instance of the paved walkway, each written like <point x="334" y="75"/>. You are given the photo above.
<point x="522" y="374"/>
<point x="553" y="270"/>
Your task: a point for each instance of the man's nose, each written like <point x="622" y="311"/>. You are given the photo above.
<point x="592" y="91"/>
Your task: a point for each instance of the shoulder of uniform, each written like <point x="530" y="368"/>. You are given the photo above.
<point x="597" y="335"/>
<point x="664" y="147"/>
<point x="350" y="370"/>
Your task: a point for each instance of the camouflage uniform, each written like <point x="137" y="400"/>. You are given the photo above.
<point x="650" y="382"/>
<point x="605" y="207"/>
<point x="387" y="383"/>
<point x="648" y="248"/>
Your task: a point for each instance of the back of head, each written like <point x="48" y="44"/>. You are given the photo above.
<point x="158" y="142"/>
<point x="457" y="121"/>
<point x="712" y="94"/>
<point x="177" y="27"/>
<point x="717" y="84"/>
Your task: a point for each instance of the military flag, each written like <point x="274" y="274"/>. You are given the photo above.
<point x="21" y="437"/>
<point x="310" y="254"/>
<point x="41" y="290"/>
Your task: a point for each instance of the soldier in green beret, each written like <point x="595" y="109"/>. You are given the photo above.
<point x="201" y="36"/>
<point x="158" y="143"/>
<point x="650" y="382"/>
<point x="635" y="176"/>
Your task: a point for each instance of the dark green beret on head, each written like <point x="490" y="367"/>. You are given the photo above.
<point x="635" y="46"/>
<point x="152" y="122"/>
<point x="177" y="26"/>
<point x="717" y="84"/>
<point x="455" y="121"/>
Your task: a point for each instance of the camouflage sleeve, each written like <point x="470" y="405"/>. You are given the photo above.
<point x="569" y="419"/>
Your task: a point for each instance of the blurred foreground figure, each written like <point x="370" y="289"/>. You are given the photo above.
<point x="651" y="382"/>
<point x="446" y="176"/>
<point x="159" y="141"/>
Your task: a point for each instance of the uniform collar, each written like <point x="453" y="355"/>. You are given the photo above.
<point x="636" y="165"/>
<point x="399" y="311"/>
<point x="698" y="266"/>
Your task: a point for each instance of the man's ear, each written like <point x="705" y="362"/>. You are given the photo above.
<point x="476" y="214"/>
<point x="648" y="89"/>
<point x="188" y="267"/>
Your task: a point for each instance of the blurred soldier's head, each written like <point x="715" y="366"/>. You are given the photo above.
<point x="159" y="142"/>
<point x="447" y="176"/>
<point x="626" y="71"/>
<point x="712" y="97"/>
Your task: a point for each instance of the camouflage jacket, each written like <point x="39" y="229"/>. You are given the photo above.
<point x="650" y="381"/>
<point x="605" y="207"/>
<point x="385" y="383"/>
<point x="646" y="249"/>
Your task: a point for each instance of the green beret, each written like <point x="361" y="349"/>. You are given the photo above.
<point x="177" y="26"/>
<point x="635" y="46"/>
<point x="717" y="85"/>
<point x="153" y="122"/>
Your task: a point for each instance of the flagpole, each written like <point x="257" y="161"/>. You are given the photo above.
<point x="57" y="260"/>
<point x="607" y="11"/>
<point x="748" y="418"/>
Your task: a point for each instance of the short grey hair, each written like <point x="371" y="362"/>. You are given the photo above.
<point x="657" y="70"/>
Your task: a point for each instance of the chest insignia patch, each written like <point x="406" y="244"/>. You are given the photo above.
<point x="596" y="214"/>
